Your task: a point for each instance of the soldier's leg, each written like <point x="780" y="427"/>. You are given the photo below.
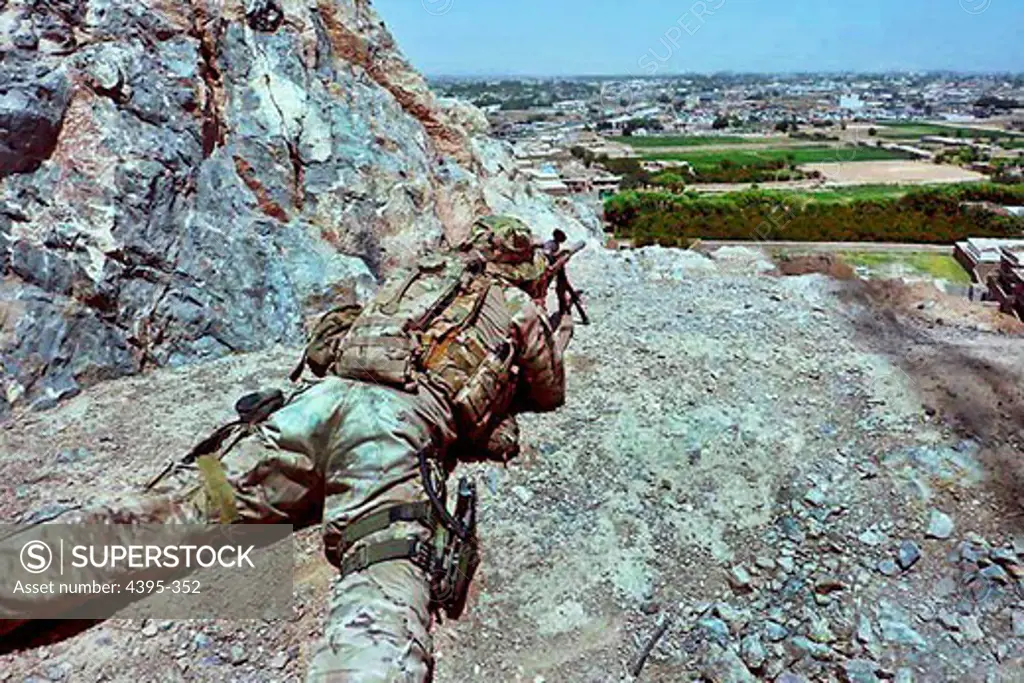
<point x="274" y="476"/>
<point x="378" y="623"/>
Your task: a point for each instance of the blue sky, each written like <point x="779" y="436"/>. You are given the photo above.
<point x="581" y="37"/>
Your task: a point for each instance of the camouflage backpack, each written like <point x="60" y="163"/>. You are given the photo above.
<point x="442" y="322"/>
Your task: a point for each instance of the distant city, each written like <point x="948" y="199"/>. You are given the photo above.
<point x="848" y="159"/>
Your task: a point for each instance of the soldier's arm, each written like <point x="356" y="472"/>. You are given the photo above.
<point x="542" y="373"/>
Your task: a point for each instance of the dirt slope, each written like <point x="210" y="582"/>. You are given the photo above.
<point x="743" y="453"/>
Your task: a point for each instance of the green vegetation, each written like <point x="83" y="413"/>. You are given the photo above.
<point x="796" y="155"/>
<point x="688" y="140"/>
<point x="940" y="266"/>
<point x="913" y="130"/>
<point x="928" y="215"/>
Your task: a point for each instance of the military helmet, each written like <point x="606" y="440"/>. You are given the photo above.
<point x="508" y="246"/>
<point x="503" y="239"/>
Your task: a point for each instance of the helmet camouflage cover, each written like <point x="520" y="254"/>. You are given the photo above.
<point x="508" y="246"/>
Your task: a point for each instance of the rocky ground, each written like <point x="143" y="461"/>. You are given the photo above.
<point x="799" y="479"/>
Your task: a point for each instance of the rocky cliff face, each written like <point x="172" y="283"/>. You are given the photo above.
<point x="183" y="180"/>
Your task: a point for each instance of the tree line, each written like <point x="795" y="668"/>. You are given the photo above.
<point x="937" y="216"/>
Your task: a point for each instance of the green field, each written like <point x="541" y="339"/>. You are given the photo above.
<point x="940" y="266"/>
<point x="797" y="155"/>
<point x="911" y="130"/>
<point x="689" y="140"/>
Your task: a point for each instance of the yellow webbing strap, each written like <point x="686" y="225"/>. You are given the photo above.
<point x="220" y="495"/>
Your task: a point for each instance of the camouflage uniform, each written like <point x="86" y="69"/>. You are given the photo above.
<point x="344" y="449"/>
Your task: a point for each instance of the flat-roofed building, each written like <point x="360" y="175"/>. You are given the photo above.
<point x="980" y="256"/>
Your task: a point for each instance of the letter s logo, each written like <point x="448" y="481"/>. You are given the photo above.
<point x="36" y="557"/>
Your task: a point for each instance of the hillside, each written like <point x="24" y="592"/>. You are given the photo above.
<point x="182" y="181"/>
<point x="789" y="435"/>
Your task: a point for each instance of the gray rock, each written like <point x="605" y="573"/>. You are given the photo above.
<point x="150" y="629"/>
<point x="1004" y="556"/>
<point x="790" y="677"/>
<point x="191" y="215"/>
<point x="871" y="538"/>
<point x="238" y="655"/>
<point x="888" y="567"/>
<point x="57" y="672"/>
<point x="715" y="628"/>
<point x="899" y="633"/>
<point x="70" y="456"/>
<point x="817" y="651"/>
<point x="279" y="661"/>
<point x="865" y="634"/>
<point x="940" y="525"/>
<point x="1017" y="622"/>
<point x="739" y="579"/>
<point x="859" y="671"/>
<point x="815" y="497"/>
<point x="753" y="652"/>
<point x="904" y="676"/>
<point x="970" y="628"/>
<point x="908" y="555"/>
<point x="994" y="572"/>
<point x="949" y="620"/>
<point x="819" y="630"/>
<point x="775" y="632"/>
<point x="725" y="666"/>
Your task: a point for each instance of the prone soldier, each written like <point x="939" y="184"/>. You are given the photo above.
<point x="445" y="354"/>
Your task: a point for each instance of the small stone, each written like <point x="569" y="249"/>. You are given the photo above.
<point x="57" y="672"/>
<point x="1004" y="556"/>
<point x="828" y="584"/>
<point x="908" y="555"/>
<point x="786" y="563"/>
<point x="789" y="677"/>
<point x="820" y="631"/>
<point x="716" y="628"/>
<point x="969" y="553"/>
<point x="739" y="579"/>
<point x="71" y="456"/>
<point x="940" y="525"/>
<point x="972" y="632"/>
<point x="238" y="655"/>
<point x="859" y="671"/>
<point x="150" y="629"/>
<point x="279" y="661"/>
<point x="752" y="652"/>
<point x="865" y="634"/>
<point x="1017" y="620"/>
<point x="522" y="493"/>
<point x="949" y="620"/>
<point x="818" y="651"/>
<point x="815" y="497"/>
<point x="888" y="568"/>
<point x="871" y="538"/>
<point x="201" y="641"/>
<point x="994" y="572"/>
<point x="724" y="666"/>
<point x="736" y="619"/>
<point x="774" y="631"/>
<point x="897" y="632"/>
<point x="904" y="676"/>
<point x="766" y="563"/>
